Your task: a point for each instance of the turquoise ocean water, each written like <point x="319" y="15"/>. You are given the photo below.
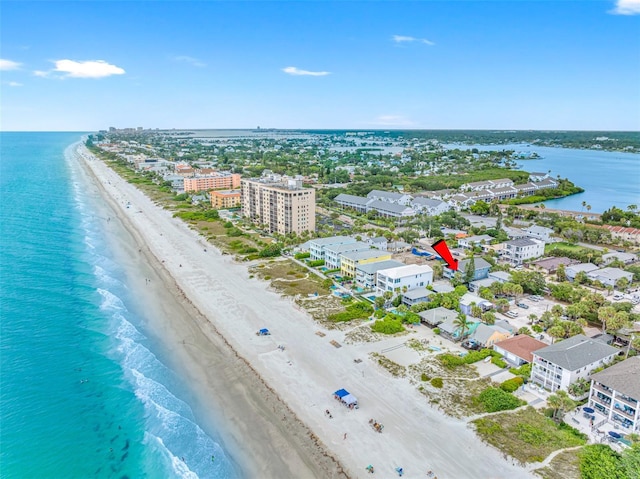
<point x="82" y="391"/>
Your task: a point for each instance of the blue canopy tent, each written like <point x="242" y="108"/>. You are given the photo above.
<point x="341" y="393"/>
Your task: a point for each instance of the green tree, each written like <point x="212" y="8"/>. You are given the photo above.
<point x="476" y="311"/>
<point x="605" y="314"/>
<point x="556" y="332"/>
<point x="489" y="318"/>
<point x="470" y="270"/>
<point x="462" y="325"/>
<point x="560" y="402"/>
<point x="618" y="321"/>
<point x="379" y="302"/>
<point x="561" y="274"/>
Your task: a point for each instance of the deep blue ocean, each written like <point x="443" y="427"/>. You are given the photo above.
<point x="82" y="391"/>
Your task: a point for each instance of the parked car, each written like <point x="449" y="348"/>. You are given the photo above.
<point x="522" y="305"/>
<point x="511" y="314"/>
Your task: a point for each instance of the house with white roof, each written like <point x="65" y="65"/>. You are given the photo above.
<point x="380" y="242"/>
<point x="626" y="258"/>
<point x="561" y="364"/>
<point x="469" y="300"/>
<point x="417" y="295"/>
<point x="471" y="241"/>
<point x="572" y="270"/>
<point x="609" y="276"/>
<point x="404" y="278"/>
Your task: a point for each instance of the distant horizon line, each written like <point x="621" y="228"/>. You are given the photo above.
<point x="505" y="130"/>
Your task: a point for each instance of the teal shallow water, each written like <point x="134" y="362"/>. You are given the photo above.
<point x="82" y="393"/>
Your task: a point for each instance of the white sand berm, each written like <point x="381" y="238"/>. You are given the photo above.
<point x="416" y="436"/>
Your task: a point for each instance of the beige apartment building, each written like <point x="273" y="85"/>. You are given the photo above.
<point x="222" y="199"/>
<point x="214" y="181"/>
<point x="282" y="204"/>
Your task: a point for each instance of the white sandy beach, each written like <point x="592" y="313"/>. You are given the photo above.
<point x="416" y="436"/>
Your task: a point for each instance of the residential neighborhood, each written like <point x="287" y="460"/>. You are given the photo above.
<point x="541" y="306"/>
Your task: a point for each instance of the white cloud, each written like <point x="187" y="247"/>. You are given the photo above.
<point x="190" y="60"/>
<point x="297" y="71"/>
<point x="406" y="39"/>
<point x="13" y="83"/>
<point x="86" y="69"/>
<point x="9" y="65"/>
<point x="392" y="120"/>
<point x="626" y="7"/>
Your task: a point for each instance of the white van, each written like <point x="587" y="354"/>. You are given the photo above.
<point x="618" y="296"/>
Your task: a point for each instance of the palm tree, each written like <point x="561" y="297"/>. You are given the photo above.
<point x="584" y="203"/>
<point x="605" y="313"/>
<point x="462" y="324"/>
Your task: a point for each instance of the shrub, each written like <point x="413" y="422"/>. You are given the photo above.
<point x="228" y="224"/>
<point x="424" y="377"/>
<point x="302" y="255"/>
<point x="359" y="310"/>
<point x="499" y="362"/>
<point x="387" y="326"/>
<point x="494" y="399"/>
<point x="511" y="385"/>
<point x="537" y="328"/>
<point x="599" y="461"/>
<point x="234" y="232"/>
<point x="451" y="361"/>
<point x="524" y="370"/>
<point x="436" y="331"/>
<point x="316" y="263"/>
<point x="437" y="383"/>
<point x="270" y="251"/>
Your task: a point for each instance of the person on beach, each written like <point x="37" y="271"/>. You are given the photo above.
<point x="345" y="436"/>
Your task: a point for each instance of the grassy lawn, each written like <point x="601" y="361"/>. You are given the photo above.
<point x="525" y="435"/>
<point x="562" y="246"/>
<point x="565" y="465"/>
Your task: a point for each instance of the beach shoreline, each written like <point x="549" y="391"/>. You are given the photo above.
<point x="261" y="443"/>
<point x="301" y="379"/>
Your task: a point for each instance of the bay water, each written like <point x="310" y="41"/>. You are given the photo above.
<point x="609" y="178"/>
<point x="83" y="390"/>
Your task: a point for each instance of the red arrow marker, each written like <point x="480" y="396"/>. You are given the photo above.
<point x="442" y="249"/>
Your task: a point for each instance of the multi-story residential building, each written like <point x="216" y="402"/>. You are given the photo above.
<point x="350" y="261"/>
<point x="390" y="210"/>
<point x="215" y="181"/>
<point x="416" y="296"/>
<point x="623" y="233"/>
<point x="487" y="185"/>
<point x="390" y="197"/>
<point x="379" y="242"/>
<point x="366" y="273"/>
<point x="317" y="246"/>
<point x="520" y="250"/>
<point x="615" y="393"/>
<point x="184" y="170"/>
<point x="281" y="204"/>
<point x="429" y="206"/>
<point x="539" y="232"/>
<point x="358" y="203"/>
<point x="332" y="253"/>
<point x="222" y="199"/>
<point x="561" y="364"/>
<point x="404" y="277"/>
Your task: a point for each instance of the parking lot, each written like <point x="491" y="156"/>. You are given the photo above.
<point x="522" y="318"/>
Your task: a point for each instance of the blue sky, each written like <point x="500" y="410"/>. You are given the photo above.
<point x="430" y="64"/>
